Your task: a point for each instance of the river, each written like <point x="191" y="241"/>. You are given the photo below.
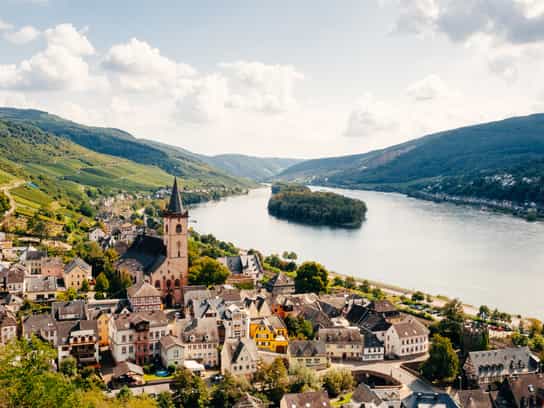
<point x="457" y="251"/>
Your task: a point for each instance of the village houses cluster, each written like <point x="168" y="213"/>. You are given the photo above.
<point x="164" y="321"/>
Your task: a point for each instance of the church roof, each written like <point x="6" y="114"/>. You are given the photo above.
<point x="149" y="252"/>
<point x="175" y="206"/>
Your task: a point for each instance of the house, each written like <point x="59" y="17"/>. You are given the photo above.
<point x="270" y="334"/>
<point x="333" y="305"/>
<point x="384" y="308"/>
<point x="408" y="337"/>
<point x="8" y="326"/>
<point x="248" y="401"/>
<point x="76" y="272"/>
<point x="53" y="267"/>
<point x="200" y="338"/>
<point x="373" y="348"/>
<point x="12" y="279"/>
<point x="164" y="261"/>
<point x="102" y="318"/>
<point x="367" y="397"/>
<point x="11" y="302"/>
<point x="309" y="353"/>
<point x="291" y="305"/>
<point x="524" y="391"/>
<point x="172" y="351"/>
<point x="344" y="343"/>
<point x="41" y="325"/>
<point x="70" y="310"/>
<point x="234" y="322"/>
<point x="41" y="288"/>
<point x="239" y="357"/>
<point x="135" y="336"/>
<point x="257" y="307"/>
<point x="484" y="367"/>
<point x="79" y="339"/>
<point x="313" y="399"/>
<point x="126" y="372"/>
<point x="281" y="284"/>
<point x="96" y="234"/>
<point x="244" y="265"/>
<point x="477" y="398"/>
<point x="144" y="297"/>
<point x="31" y="258"/>
<point x="429" y="400"/>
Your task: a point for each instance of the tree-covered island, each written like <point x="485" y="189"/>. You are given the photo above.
<point x="297" y="202"/>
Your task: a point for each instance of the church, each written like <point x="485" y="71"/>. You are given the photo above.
<point x="163" y="262"/>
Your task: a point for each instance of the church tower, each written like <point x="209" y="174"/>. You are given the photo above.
<point x="175" y="235"/>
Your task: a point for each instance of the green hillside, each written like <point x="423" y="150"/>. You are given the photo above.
<point x="118" y="143"/>
<point x="501" y="160"/>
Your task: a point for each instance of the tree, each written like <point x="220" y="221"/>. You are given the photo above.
<point x="453" y="310"/>
<point x="535" y="327"/>
<point x="303" y="379"/>
<point x="273" y="379"/>
<point x="418" y="296"/>
<point x="227" y="392"/>
<point x="350" y="282"/>
<point x="378" y="293"/>
<point x="484" y="312"/>
<point x="207" y="271"/>
<point x="85" y="287"/>
<point x="336" y="381"/>
<point x="365" y="286"/>
<point x="443" y="363"/>
<point x="519" y="339"/>
<point x="451" y="329"/>
<point x="102" y="283"/>
<point x="311" y="277"/>
<point x="164" y="400"/>
<point x="68" y="366"/>
<point x="338" y="281"/>
<point x="299" y="328"/>
<point x="189" y="390"/>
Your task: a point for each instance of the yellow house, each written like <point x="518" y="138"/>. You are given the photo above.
<point x="270" y="334"/>
<point x="102" y="322"/>
<point x="76" y="272"/>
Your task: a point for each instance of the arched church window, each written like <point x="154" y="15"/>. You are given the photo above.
<point x="168" y="283"/>
<point x="178" y="229"/>
<point x="177" y="283"/>
<point x="166" y="226"/>
<point x="158" y="284"/>
<point x="179" y="249"/>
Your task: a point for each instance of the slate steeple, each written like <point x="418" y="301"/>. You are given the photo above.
<point x="175" y="206"/>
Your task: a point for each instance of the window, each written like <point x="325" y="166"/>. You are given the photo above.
<point x="178" y="229"/>
<point x="177" y="283"/>
<point x="158" y="284"/>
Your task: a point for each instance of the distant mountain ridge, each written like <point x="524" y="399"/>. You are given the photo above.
<point x="502" y="160"/>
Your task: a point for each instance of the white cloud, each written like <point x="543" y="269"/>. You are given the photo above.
<point x="370" y="118"/>
<point x="4" y="25"/>
<point x="429" y="88"/>
<point x="205" y="103"/>
<point x="511" y="21"/>
<point x="60" y="66"/>
<point x="141" y="67"/>
<point x="261" y="87"/>
<point x="24" y="35"/>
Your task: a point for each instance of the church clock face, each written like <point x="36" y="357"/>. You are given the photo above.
<point x="178" y="229"/>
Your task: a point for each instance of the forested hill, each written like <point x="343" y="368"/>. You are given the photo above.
<point x="118" y="143"/>
<point x="501" y="160"/>
<point x="256" y="168"/>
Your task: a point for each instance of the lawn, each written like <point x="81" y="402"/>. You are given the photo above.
<point x="153" y="377"/>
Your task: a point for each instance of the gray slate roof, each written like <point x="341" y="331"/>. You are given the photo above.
<point x="307" y="348"/>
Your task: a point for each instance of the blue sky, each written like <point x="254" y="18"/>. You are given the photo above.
<point x="282" y="78"/>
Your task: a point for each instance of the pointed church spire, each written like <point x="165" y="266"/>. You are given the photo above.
<point x="175" y="207"/>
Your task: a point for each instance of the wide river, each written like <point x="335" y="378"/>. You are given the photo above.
<point x="458" y="251"/>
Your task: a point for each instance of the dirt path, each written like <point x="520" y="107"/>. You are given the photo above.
<point x="5" y="189"/>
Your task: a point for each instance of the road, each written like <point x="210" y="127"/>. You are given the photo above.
<point x="5" y="189"/>
<point x="410" y="382"/>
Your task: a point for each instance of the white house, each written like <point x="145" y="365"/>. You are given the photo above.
<point x="239" y="357"/>
<point x="406" y="338"/>
<point x="200" y="338"/>
<point x="171" y="351"/>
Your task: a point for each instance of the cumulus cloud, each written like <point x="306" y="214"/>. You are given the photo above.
<point x="511" y="21"/>
<point x="141" y="67"/>
<point x="370" y="118"/>
<point x="205" y="102"/>
<point x="429" y="88"/>
<point x="24" y="35"/>
<point x="262" y="87"/>
<point x="60" y="66"/>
